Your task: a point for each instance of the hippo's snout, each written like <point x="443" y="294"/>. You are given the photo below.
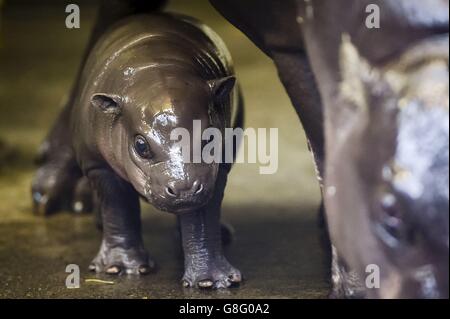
<point x="173" y="185"/>
<point x="180" y="196"/>
<point x="177" y="193"/>
<point x="181" y="189"/>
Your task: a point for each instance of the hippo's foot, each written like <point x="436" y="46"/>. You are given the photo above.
<point x="218" y="274"/>
<point x="347" y="287"/>
<point x="116" y="260"/>
<point x="58" y="187"/>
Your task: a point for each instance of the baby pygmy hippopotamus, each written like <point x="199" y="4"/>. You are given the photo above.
<point x="146" y="76"/>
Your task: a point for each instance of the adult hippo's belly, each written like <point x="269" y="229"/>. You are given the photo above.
<point x="384" y="96"/>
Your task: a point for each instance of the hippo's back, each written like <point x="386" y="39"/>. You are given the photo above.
<point x="158" y="38"/>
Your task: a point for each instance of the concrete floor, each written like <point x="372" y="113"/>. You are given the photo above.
<point x="277" y="244"/>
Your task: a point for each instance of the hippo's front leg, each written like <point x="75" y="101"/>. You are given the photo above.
<point x="204" y="261"/>
<point x="122" y="248"/>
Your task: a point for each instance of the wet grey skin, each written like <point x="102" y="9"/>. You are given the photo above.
<point x="374" y="106"/>
<point x="145" y="76"/>
<point x="305" y="41"/>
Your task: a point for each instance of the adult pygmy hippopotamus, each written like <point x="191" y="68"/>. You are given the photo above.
<point x="147" y="75"/>
<point x="374" y="105"/>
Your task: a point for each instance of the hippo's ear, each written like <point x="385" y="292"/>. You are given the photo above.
<point x="106" y="103"/>
<point x="222" y="88"/>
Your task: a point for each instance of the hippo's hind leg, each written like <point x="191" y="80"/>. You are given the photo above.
<point x="204" y="261"/>
<point x="58" y="183"/>
<point x="59" y="186"/>
<point x="122" y="249"/>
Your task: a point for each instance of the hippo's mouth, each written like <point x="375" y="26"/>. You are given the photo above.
<point x="179" y="208"/>
<point x="176" y="206"/>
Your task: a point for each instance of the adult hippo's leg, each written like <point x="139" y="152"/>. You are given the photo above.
<point x="57" y="185"/>
<point x="122" y="249"/>
<point x="281" y="40"/>
<point x="296" y="75"/>
<point x="205" y="263"/>
<point x="283" y="43"/>
<point x="346" y="283"/>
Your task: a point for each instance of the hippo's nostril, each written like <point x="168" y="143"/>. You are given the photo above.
<point x="170" y="192"/>
<point x="197" y="188"/>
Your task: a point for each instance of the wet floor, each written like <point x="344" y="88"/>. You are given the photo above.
<point x="277" y="242"/>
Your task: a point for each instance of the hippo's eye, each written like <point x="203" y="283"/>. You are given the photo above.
<point x="142" y="148"/>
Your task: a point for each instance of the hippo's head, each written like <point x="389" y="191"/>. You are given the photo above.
<point x="392" y="176"/>
<point x="146" y="112"/>
<point x="386" y="91"/>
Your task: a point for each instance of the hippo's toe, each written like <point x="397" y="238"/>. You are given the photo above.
<point x="117" y="260"/>
<point x="220" y="274"/>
